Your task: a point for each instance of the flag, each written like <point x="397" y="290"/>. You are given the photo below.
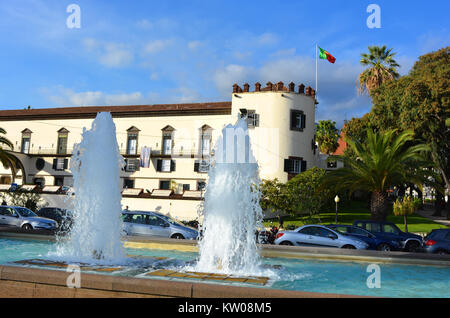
<point x="324" y="55"/>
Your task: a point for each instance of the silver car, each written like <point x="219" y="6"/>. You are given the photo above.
<point x="20" y="217"/>
<point x="155" y="224"/>
<point x="318" y="236"/>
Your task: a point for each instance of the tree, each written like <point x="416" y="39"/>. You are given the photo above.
<point x="327" y="136"/>
<point x="8" y="160"/>
<point x="30" y="200"/>
<point x="420" y="102"/>
<point x="381" y="68"/>
<point x="305" y="197"/>
<point x="404" y="207"/>
<point x="381" y="162"/>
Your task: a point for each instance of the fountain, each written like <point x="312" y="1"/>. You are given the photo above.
<point x="231" y="211"/>
<point x="95" y="164"/>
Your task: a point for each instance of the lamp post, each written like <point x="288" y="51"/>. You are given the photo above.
<point x="336" y="199"/>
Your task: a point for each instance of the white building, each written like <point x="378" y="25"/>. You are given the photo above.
<point x="180" y="137"/>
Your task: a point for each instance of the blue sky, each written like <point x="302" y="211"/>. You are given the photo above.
<point x="146" y="52"/>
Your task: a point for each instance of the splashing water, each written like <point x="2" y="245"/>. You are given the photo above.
<point x="95" y="165"/>
<point x="231" y="208"/>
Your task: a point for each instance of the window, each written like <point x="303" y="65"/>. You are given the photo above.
<point x="447" y="237"/>
<point x="26" y="138"/>
<point x="128" y="183"/>
<point x="60" y="164"/>
<point x="205" y="141"/>
<point x="131" y="165"/>
<point x="388" y="228"/>
<point x="298" y="120"/>
<point x="186" y="187"/>
<point x="252" y="119"/>
<point x="165" y="165"/>
<point x="136" y="218"/>
<point x="373" y="227"/>
<point x="155" y="221"/>
<point x="310" y="230"/>
<point x="294" y="165"/>
<point x="7" y="211"/>
<point x="164" y="185"/>
<point x="167" y="137"/>
<point x="39" y="181"/>
<point x="132" y="140"/>
<point x="201" y="165"/>
<point x="251" y="116"/>
<point x="63" y="134"/>
<point x="59" y="181"/>
<point x="201" y="185"/>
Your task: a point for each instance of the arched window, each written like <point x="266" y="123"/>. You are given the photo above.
<point x="132" y="140"/>
<point x="63" y="135"/>
<point x="205" y="141"/>
<point x="167" y="140"/>
<point x="26" y="141"/>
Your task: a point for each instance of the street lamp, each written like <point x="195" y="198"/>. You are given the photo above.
<point x="336" y="199"/>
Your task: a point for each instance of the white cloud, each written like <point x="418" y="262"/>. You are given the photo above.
<point x="62" y="96"/>
<point x="193" y="45"/>
<point x="109" y="54"/>
<point x="157" y="46"/>
<point x="267" y="38"/>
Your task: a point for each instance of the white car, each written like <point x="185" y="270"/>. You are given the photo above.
<point x="20" y="217"/>
<point x="318" y="236"/>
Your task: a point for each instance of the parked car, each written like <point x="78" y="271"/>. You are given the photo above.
<point x="376" y="242"/>
<point x="438" y="241"/>
<point x="318" y="235"/>
<point x="155" y="224"/>
<point x="388" y="230"/>
<point x="20" y="217"/>
<point x="63" y="217"/>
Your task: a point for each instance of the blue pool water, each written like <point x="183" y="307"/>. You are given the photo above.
<point x="289" y="274"/>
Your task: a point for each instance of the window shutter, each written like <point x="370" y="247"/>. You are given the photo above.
<point x="256" y="120"/>
<point x="287" y="165"/>
<point x="303" y="168"/>
<point x="55" y="163"/>
<point x="158" y="165"/>
<point x="172" y="165"/>
<point x="303" y="120"/>
<point x="137" y="166"/>
<point x="196" y="165"/>
<point x="66" y="163"/>
<point x="293" y="119"/>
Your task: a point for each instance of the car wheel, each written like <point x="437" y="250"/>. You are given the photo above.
<point x="178" y="236"/>
<point x="27" y="227"/>
<point x="384" y="247"/>
<point x="412" y="246"/>
<point x="351" y="247"/>
<point x="442" y="252"/>
<point x="286" y="243"/>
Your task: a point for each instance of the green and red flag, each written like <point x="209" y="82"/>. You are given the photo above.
<point x="324" y="55"/>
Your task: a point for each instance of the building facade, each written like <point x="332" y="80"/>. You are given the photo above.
<point x="166" y="148"/>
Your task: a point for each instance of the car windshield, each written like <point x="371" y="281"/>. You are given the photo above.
<point x="171" y="221"/>
<point x="25" y="212"/>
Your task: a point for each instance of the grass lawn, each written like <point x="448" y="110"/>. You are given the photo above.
<point x="357" y="210"/>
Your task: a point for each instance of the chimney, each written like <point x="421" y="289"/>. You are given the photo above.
<point x="246" y="88"/>
<point x="257" y="87"/>
<point x="308" y="91"/>
<point x="269" y="86"/>
<point x="313" y="92"/>
<point x="235" y="88"/>
<point x="291" y="86"/>
<point x="301" y="89"/>
<point x="280" y="86"/>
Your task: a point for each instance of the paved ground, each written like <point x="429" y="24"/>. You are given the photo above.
<point x="428" y="213"/>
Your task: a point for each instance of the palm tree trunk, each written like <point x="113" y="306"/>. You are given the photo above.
<point x="379" y="206"/>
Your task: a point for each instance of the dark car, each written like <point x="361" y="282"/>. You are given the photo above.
<point x="63" y="217"/>
<point x="376" y="242"/>
<point x="388" y="230"/>
<point x="438" y="241"/>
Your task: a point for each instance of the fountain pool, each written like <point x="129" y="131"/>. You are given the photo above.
<point x="324" y="276"/>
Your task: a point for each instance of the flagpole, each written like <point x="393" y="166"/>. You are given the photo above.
<point x="317" y="48"/>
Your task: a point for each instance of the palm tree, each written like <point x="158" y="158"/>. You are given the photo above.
<point x="381" y="68"/>
<point x="382" y="161"/>
<point x="6" y="158"/>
